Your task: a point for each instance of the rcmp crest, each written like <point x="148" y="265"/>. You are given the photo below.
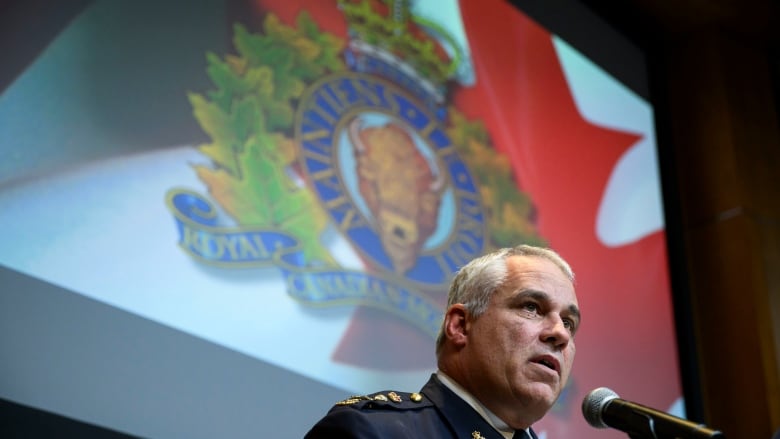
<point x="314" y="136"/>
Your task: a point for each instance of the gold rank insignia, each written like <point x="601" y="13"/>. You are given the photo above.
<point x="394" y="397"/>
<point x="416" y="397"/>
<point x="348" y="401"/>
<point x="477" y="435"/>
<point x="380" y="397"/>
<point x="353" y="399"/>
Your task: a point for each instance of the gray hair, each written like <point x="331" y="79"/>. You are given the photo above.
<point x="475" y="282"/>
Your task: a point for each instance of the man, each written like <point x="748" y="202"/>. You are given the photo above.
<point x="504" y="352"/>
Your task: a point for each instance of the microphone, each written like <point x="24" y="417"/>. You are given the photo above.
<point x="603" y="408"/>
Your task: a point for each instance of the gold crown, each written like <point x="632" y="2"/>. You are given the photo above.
<point x="387" y="30"/>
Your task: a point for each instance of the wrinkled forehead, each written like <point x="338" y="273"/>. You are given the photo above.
<point x="539" y="273"/>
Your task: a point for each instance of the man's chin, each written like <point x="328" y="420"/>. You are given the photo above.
<point x="543" y="395"/>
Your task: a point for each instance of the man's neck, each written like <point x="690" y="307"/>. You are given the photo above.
<point x="491" y="418"/>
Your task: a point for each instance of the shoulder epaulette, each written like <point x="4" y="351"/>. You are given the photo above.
<point x="387" y="399"/>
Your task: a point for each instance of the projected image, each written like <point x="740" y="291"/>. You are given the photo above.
<point x="331" y="166"/>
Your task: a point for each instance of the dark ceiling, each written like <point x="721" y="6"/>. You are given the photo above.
<point x="653" y="22"/>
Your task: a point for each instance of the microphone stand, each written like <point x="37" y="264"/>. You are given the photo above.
<point x="651" y="433"/>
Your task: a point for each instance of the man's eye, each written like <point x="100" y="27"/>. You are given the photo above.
<point x="569" y="324"/>
<point x="531" y="307"/>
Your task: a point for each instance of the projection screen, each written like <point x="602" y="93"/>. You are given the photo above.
<point x="221" y="217"/>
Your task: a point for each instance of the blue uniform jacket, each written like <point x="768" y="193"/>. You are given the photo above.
<point x="435" y="412"/>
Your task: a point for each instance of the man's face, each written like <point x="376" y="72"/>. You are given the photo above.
<point x="521" y="350"/>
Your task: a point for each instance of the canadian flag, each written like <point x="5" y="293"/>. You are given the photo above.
<point x="584" y="152"/>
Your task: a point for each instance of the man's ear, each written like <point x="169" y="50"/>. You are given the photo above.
<point x="457" y="325"/>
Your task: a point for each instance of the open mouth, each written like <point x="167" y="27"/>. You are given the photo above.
<point x="548" y="362"/>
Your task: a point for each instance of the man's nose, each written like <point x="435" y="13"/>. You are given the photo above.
<point x="555" y="331"/>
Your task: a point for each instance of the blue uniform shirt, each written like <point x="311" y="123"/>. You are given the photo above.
<point x="434" y="412"/>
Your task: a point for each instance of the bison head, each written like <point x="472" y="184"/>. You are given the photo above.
<point x="400" y="189"/>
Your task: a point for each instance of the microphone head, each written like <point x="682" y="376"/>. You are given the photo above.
<point x="593" y="406"/>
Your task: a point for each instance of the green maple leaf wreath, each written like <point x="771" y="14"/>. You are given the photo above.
<point x="249" y="119"/>
<point x="509" y="211"/>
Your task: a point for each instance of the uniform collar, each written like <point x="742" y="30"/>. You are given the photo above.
<point x="505" y="430"/>
<point x="463" y="419"/>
